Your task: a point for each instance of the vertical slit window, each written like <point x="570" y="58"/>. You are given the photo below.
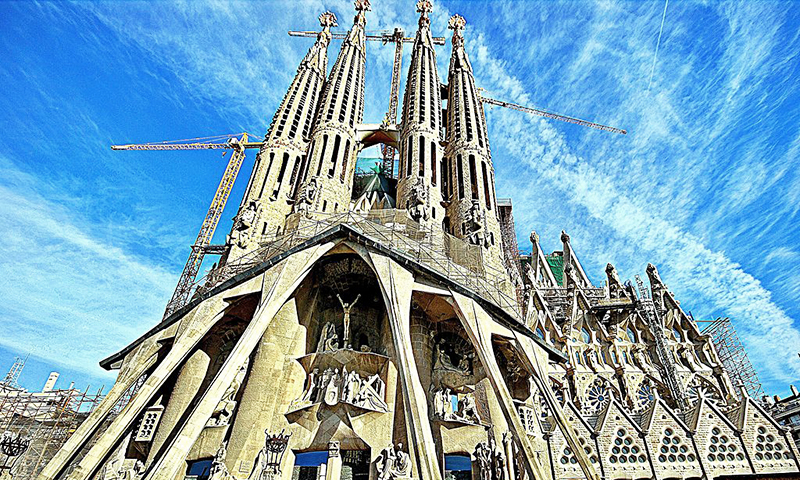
<point x="422" y="90"/>
<point x="421" y="156"/>
<point x="445" y="176"/>
<point x="356" y="98"/>
<point x="301" y="176"/>
<point x="409" y="147"/>
<point x="321" y="158"/>
<point x="295" y="171"/>
<point x="266" y="175"/>
<point x="335" y="155"/>
<point x="433" y="163"/>
<point x="345" y="157"/>
<point x="346" y="98"/>
<point x="473" y="178"/>
<point x="281" y="172"/>
<point x="486" y="186"/>
<point x="460" y="179"/>
<point x="310" y="110"/>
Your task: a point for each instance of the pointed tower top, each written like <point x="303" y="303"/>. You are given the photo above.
<point x="361" y="7"/>
<point x="456" y="24"/>
<point x="424" y="7"/>
<point x="326" y="21"/>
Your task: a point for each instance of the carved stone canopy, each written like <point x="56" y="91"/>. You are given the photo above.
<point x="456" y="23"/>
<point x="424" y="7"/>
<point x="363" y="5"/>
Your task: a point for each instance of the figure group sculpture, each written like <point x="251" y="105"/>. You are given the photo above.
<point x="464" y="411"/>
<point x="491" y="460"/>
<point x="333" y="386"/>
<point x="393" y="463"/>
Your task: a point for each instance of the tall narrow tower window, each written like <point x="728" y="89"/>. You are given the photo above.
<point x="266" y="175"/>
<point x="445" y="178"/>
<point x="409" y="147"/>
<point x="345" y="157"/>
<point x="473" y="178"/>
<point x="346" y="99"/>
<point x="295" y="170"/>
<point x="486" y="186"/>
<point x="422" y="91"/>
<point x="460" y="175"/>
<point x="303" y="167"/>
<point x="335" y="155"/>
<point x="321" y="157"/>
<point x="421" y="156"/>
<point x="281" y="172"/>
<point x="433" y="163"/>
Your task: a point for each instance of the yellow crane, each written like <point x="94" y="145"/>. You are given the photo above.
<point x="202" y="245"/>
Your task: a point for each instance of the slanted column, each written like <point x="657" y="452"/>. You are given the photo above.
<point x="396" y="285"/>
<point x="187" y="386"/>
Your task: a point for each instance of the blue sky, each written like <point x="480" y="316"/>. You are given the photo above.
<point x="705" y="185"/>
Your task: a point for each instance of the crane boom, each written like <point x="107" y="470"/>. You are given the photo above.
<point x="183" y="291"/>
<point x="553" y="116"/>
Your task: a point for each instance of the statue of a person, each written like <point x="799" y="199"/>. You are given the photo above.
<point x="347" y="307"/>
<point x="483" y="456"/>
<point x="402" y="462"/>
<point x="311" y="387"/>
<point x="468" y="409"/>
<point x="385" y="463"/>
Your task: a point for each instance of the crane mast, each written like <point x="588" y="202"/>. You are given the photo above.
<point x="202" y="245"/>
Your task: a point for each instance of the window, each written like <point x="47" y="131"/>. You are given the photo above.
<point x="433" y="163"/>
<point x="421" y="156"/>
<point x="281" y="172"/>
<point x="677" y="333"/>
<point x="586" y="336"/>
<point x="199" y="469"/>
<point x="631" y="336"/>
<point x="486" y="195"/>
<point x="310" y="466"/>
<point x="344" y="160"/>
<point x="266" y="175"/>
<point x="473" y="177"/>
<point x="335" y="156"/>
<point x="460" y="174"/>
<point x="457" y="467"/>
<point x="540" y="332"/>
<point x="322" y="154"/>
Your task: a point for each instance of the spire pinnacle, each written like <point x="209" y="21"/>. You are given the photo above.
<point x="456" y="24"/>
<point x="424" y="7"/>
<point x="361" y="7"/>
<point x="326" y="21"/>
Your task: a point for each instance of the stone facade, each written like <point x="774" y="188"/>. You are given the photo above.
<point x="383" y="344"/>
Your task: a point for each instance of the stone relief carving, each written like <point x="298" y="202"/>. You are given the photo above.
<point x="332" y="387"/>
<point x="218" y="469"/>
<point x="393" y="463"/>
<point x="127" y="469"/>
<point x="418" y="200"/>
<point x="224" y="410"/>
<point x="475" y="225"/>
<point x="640" y="359"/>
<point x="452" y="357"/>
<point x="328" y="339"/>
<point x="491" y="460"/>
<point x="307" y="195"/>
<point x="464" y="411"/>
<point x="686" y="353"/>
<point x="243" y="224"/>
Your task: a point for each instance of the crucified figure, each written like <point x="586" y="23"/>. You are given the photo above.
<point x="347" y="307"/>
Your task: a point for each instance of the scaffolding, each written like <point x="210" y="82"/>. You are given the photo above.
<point x="47" y="419"/>
<point x="732" y="355"/>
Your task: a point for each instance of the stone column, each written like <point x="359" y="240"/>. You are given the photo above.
<point x="396" y="285"/>
<point x="333" y="469"/>
<point x="186" y="387"/>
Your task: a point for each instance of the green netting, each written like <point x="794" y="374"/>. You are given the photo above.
<point x="556" y="263"/>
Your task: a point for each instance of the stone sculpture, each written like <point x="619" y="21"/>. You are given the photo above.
<point x="347" y="307"/>
<point x="491" y="460"/>
<point x="224" y="410"/>
<point x="418" y="200"/>
<point x="219" y="471"/>
<point x="393" y="463"/>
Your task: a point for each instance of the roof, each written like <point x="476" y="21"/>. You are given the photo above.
<point x="556" y="262"/>
<point x="336" y="232"/>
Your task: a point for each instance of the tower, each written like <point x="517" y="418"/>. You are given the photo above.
<point x="470" y="199"/>
<point x="270" y="192"/>
<point x="328" y="173"/>
<point x="421" y="181"/>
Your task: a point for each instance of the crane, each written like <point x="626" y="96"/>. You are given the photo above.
<point x="202" y="245"/>
<point x="385" y="37"/>
<point x="551" y="115"/>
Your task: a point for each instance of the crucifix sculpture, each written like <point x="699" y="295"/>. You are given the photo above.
<point x="347" y="307"/>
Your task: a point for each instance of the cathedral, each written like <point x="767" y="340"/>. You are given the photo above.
<point x="395" y="333"/>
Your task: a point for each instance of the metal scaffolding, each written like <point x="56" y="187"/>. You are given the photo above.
<point x="732" y="354"/>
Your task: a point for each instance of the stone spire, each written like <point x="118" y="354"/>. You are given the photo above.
<point x="420" y="178"/>
<point x="471" y="201"/>
<point x="326" y="178"/>
<point x="270" y="191"/>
